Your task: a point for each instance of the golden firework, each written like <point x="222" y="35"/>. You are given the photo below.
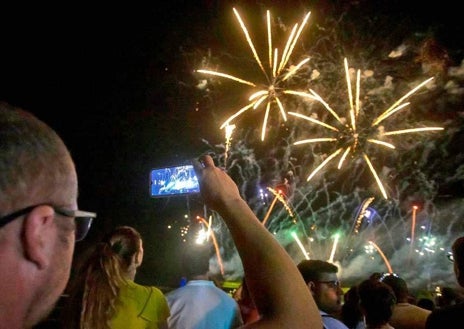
<point x="276" y="73"/>
<point x="350" y="132"/>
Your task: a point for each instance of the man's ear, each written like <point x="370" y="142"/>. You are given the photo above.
<point x="311" y="286"/>
<point x="38" y="235"/>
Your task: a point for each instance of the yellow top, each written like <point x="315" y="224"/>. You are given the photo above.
<point x="140" y="307"/>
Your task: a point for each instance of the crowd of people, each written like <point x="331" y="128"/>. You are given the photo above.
<point x="40" y="223"/>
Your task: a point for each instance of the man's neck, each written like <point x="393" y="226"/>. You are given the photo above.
<point x="200" y="277"/>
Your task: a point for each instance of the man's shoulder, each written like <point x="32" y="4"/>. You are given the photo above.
<point x="332" y="323"/>
<point x="407" y="308"/>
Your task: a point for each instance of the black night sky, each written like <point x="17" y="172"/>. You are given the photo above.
<point x="117" y="84"/>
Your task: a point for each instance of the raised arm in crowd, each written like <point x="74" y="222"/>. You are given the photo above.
<point x="274" y="282"/>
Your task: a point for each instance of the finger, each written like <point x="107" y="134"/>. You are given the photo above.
<point x="207" y="161"/>
<point x="197" y="166"/>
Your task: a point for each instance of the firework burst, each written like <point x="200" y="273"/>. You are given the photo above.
<point x="275" y="73"/>
<point x="350" y="139"/>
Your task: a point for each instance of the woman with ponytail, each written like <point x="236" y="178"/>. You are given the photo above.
<point x="105" y="295"/>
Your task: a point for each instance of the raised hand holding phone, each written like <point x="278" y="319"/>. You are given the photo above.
<point x="276" y="286"/>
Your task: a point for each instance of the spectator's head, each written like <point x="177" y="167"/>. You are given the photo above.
<point x="351" y="296"/>
<point x="39" y="220"/>
<point x="112" y="262"/>
<point x="376" y="275"/>
<point x="321" y="279"/>
<point x="195" y="260"/>
<point x="426" y="303"/>
<point x="126" y="243"/>
<point x="351" y="312"/>
<point x="399" y="286"/>
<point x="458" y="256"/>
<point x="377" y="301"/>
<point x="447" y="296"/>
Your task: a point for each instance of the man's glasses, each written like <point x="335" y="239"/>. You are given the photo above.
<point x="450" y="256"/>
<point x="83" y="219"/>
<point x="332" y="284"/>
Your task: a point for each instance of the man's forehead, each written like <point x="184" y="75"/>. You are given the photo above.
<point x="326" y="276"/>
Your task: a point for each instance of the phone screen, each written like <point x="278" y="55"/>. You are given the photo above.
<point x="176" y="180"/>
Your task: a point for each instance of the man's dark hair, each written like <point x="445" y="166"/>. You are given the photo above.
<point x="195" y="259"/>
<point x="377" y="299"/>
<point x="399" y="286"/>
<point x="458" y="255"/>
<point x="312" y="269"/>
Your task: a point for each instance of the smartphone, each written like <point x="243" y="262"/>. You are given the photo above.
<point x="175" y="180"/>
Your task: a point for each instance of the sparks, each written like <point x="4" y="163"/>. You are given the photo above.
<point x="362" y="213"/>
<point x="334" y="248"/>
<point x="215" y="243"/>
<point x="228" y="132"/>
<point x="277" y="197"/>
<point x="385" y="259"/>
<point x="275" y="74"/>
<point x="349" y="136"/>
<point x="300" y="244"/>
